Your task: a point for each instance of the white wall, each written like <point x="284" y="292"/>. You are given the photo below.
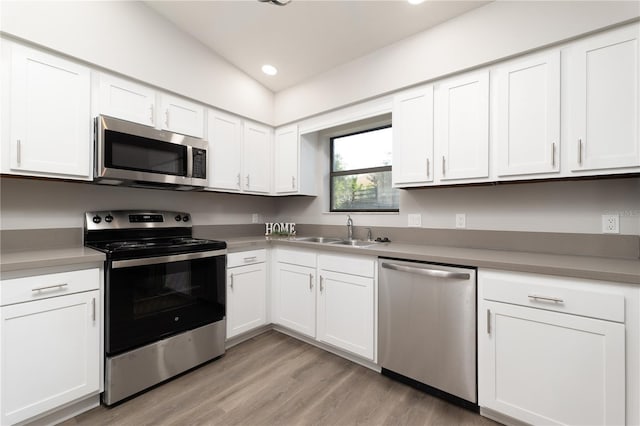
<point x="489" y="33"/>
<point x="563" y="206"/>
<point x="37" y="204"/>
<point x="129" y="38"/>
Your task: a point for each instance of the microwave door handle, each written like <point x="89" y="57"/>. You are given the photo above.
<point x="189" y="161"/>
<point x="166" y="259"/>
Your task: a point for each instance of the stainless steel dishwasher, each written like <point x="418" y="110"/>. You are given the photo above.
<point x="427" y="327"/>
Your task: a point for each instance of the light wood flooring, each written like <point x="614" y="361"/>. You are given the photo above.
<point x="274" y="379"/>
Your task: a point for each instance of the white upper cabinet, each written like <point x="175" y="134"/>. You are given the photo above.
<point x="286" y="171"/>
<point x="462" y="127"/>
<point x="295" y="162"/>
<point x="181" y="116"/>
<point x="50" y="116"/>
<point x="256" y="157"/>
<point x="225" y="151"/>
<point x="126" y="100"/>
<point x="604" y="97"/>
<point x="413" y="137"/>
<point x="528" y="115"/>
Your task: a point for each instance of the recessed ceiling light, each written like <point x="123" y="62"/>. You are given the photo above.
<point x="415" y="1"/>
<point x="269" y="70"/>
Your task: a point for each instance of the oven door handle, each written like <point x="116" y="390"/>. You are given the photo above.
<point x="166" y="259"/>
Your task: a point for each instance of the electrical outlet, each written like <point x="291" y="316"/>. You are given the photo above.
<point x="611" y="224"/>
<point x="414" y="220"/>
<point x="255" y="218"/>
<point x="461" y="220"/>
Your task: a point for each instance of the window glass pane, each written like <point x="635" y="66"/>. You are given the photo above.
<point x="366" y="191"/>
<point x="362" y="150"/>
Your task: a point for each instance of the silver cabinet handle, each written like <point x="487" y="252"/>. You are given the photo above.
<point x="166" y="118"/>
<point x="580" y="151"/>
<point x="310" y="281"/>
<point x="19" y="152"/>
<point x="231" y="281"/>
<point x="443" y="165"/>
<point x="488" y="321"/>
<point x="238" y="183"/>
<point x="428" y="272"/>
<point x="151" y="113"/>
<point x="553" y="154"/>
<point x="250" y="259"/>
<point x="50" y="287"/>
<point x="321" y="284"/>
<point x="427" y="167"/>
<point x="536" y="297"/>
<point x="293" y="182"/>
<point x="93" y="307"/>
<point x="248" y="181"/>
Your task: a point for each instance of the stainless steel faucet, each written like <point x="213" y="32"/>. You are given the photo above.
<point x="349" y="228"/>
<point x="369" y="235"/>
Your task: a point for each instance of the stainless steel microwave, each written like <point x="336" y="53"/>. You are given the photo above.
<point x="127" y="153"/>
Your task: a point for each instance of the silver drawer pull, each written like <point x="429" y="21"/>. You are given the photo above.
<point x="546" y="298"/>
<point x="251" y="259"/>
<point x="50" y="287"/>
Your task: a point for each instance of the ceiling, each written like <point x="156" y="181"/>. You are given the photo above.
<point x="306" y="37"/>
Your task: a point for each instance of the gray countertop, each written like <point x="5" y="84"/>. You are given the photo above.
<point x="50" y="257"/>
<point x="596" y="268"/>
<point x="588" y="267"/>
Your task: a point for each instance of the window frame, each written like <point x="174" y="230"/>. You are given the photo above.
<point x="333" y="173"/>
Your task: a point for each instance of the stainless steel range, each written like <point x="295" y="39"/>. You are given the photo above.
<point x="164" y="297"/>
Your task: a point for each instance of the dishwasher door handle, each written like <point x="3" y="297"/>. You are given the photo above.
<point x="428" y="272"/>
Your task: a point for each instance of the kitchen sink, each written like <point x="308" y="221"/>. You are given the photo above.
<point x="354" y="243"/>
<point x="319" y="239"/>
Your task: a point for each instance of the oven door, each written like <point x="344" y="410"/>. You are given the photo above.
<point x="150" y="299"/>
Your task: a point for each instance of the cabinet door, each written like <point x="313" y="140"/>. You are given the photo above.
<point x="50" y="353"/>
<point x="182" y="116"/>
<point x="545" y="367"/>
<point x="50" y="115"/>
<point x="296" y="298"/>
<point x="413" y="137"/>
<point x="463" y="127"/>
<point x="604" y="83"/>
<point x="286" y="160"/>
<point x="256" y="156"/>
<point x="528" y="115"/>
<point x="127" y="100"/>
<point x="346" y="312"/>
<point x="225" y="151"/>
<point x="246" y="298"/>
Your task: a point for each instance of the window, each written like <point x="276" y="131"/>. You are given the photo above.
<point x="361" y="172"/>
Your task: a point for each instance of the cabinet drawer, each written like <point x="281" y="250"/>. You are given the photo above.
<point x="37" y="287"/>
<point x="552" y="294"/>
<point x="246" y="258"/>
<point x="354" y="265"/>
<point x="297" y="257"/>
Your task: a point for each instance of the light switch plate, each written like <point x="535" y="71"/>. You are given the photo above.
<point x="414" y="220"/>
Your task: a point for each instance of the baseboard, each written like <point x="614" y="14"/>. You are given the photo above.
<point x="247" y="335"/>
<point x="64" y="413"/>
<point x="501" y="418"/>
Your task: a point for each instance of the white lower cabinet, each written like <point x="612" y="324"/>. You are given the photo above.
<point x="50" y="328"/>
<point x="549" y="353"/>
<point x="246" y="291"/>
<point x="346" y="312"/>
<point x="338" y="309"/>
<point x="294" y="291"/>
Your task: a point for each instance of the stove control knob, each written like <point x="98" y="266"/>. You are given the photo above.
<point x="108" y="218"/>
<point x="97" y="219"/>
<point x="178" y="218"/>
<point x="185" y="218"/>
